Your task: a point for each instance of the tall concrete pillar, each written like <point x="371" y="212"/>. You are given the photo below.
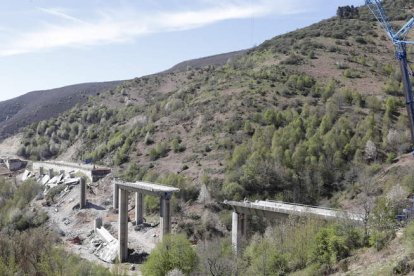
<point x="98" y="223"/>
<point x="123" y="225"/>
<point x="41" y="170"/>
<point x="82" y="203"/>
<point x="115" y="195"/>
<point x="238" y="230"/>
<point x="139" y="208"/>
<point x="50" y="173"/>
<point x="165" y="216"/>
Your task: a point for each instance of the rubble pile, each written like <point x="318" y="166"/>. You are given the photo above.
<point x="48" y="182"/>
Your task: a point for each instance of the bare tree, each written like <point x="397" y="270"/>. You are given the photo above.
<point x="366" y="198"/>
<point x="215" y="259"/>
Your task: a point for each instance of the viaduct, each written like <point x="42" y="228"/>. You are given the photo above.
<point x="120" y="201"/>
<point x="275" y="210"/>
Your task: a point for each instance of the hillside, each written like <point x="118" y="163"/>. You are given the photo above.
<point x="41" y="105"/>
<point x="312" y="100"/>
<point x="315" y="116"/>
<point x="215" y="60"/>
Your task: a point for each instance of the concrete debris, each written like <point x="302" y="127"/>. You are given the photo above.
<point x="50" y="186"/>
<point x="45" y="179"/>
<point x="105" y="235"/>
<point x="108" y="249"/>
<point x="76" y="227"/>
<point x="71" y="181"/>
<point x="26" y="175"/>
<point x="56" y="179"/>
<point x="132" y="268"/>
<point x="108" y="252"/>
<point x="96" y="242"/>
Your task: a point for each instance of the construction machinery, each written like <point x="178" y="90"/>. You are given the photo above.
<point x="400" y="43"/>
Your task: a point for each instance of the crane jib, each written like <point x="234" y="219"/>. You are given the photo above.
<point x="398" y="39"/>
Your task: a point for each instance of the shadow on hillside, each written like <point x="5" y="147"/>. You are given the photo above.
<point x="94" y="206"/>
<point x="135" y="257"/>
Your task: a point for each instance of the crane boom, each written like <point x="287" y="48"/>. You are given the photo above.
<point x="378" y="11"/>
<point x="400" y="44"/>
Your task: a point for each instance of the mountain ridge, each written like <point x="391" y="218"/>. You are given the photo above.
<point x="15" y="113"/>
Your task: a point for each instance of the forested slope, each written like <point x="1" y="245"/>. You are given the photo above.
<point x="314" y="116"/>
<point x="294" y="114"/>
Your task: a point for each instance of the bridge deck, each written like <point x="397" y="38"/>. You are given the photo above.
<point x="147" y="188"/>
<point x="292" y="209"/>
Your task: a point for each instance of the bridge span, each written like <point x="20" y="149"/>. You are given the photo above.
<point x="276" y="210"/>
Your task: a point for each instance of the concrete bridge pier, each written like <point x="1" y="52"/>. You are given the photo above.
<point x="238" y="230"/>
<point x="115" y="196"/>
<point x="165" y="215"/>
<point x="140" y="188"/>
<point x="123" y="225"/>
<point x="82" y="203"/>
<point x="139" y="208"/>
<point x="97" y="223"/>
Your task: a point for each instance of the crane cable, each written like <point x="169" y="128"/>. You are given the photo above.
<point x="252" y="26"/>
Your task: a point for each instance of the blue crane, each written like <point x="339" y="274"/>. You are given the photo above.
<point x="400" y="43"/>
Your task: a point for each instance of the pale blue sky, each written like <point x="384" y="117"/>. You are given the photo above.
<point x="48" y="43"/>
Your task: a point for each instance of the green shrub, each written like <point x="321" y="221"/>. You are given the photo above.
<point x="152" y="204"/>
<point x="159" y="151"/>
<point x="174" y="252"/>
<point x="293" y="60"/>
<point x="392" y="87"/>
<point x="351" y="74"/>
<point x="233" y="191"/>
<point x="264" y="258"/>
<point x="188" y="191"/>
<point x="409" y="234"/>
<point x="382" y="222"/>
<point x="330" y="247"/>
<point x="176" y="145"/>
<point x="53" y="192"/>
<point x="360" y="40"/>
<point x="32" y="252"/>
